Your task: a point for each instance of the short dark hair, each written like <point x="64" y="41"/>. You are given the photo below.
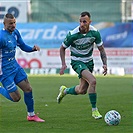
<point x="85" y="13"/>
<point x="9" y="15"/>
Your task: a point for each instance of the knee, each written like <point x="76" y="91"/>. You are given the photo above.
<point x="82" y="91"/>
<point x="93" y="82"/>
<point x="16" y="99"/>
<point x="15" y="95"/>
<point x="28" y="89"/>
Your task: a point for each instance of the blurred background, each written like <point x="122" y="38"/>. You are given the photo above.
<point x="46" y="22"/>
<point x="69" y="10"/>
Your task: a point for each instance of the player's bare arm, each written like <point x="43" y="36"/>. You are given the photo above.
<point x="104" y="58"/>
<point x="62" y="56"/>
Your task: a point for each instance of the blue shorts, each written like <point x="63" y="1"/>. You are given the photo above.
<point x="11" y="81"/>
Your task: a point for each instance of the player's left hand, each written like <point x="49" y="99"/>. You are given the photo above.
<point x="36" y="48"/>
<point x="105" y="70"/>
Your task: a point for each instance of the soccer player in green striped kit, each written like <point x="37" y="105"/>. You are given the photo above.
<point x="81" y="41"/>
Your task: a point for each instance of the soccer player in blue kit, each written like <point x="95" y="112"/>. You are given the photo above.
<point x="11" y="73"/>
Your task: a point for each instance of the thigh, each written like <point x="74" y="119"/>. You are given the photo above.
<point x="82" y="87"/>
<point x="25" y="85"/>
<point x="88" y="76"/>
<point x="83" y="84"/>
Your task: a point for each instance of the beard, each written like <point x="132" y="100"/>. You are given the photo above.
<point x="11" y="29"/>
<point x="83" y="29"/>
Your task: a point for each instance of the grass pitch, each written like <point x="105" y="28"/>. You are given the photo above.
<point x="73" y="114"/>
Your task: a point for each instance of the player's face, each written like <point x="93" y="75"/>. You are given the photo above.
<point x="10" y="24"/>
<point x="84" y="24"/>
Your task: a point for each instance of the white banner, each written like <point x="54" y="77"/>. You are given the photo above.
<point x="118" y="58"/>
<point x="19" y="8"/>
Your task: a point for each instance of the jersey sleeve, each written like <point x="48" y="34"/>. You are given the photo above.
<point x="67" y="41"/>
<point x="21" y="43"/>
<point x="98" y="40"/>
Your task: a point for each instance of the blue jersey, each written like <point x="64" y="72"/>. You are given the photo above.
<point x="8" y="43"/>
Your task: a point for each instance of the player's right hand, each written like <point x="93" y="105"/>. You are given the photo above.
<point x="63" y="68"/>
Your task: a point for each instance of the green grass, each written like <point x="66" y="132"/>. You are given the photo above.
<point x="73" y="115"/>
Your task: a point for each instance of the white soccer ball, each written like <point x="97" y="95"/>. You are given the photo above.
<point x="112" y="117"/>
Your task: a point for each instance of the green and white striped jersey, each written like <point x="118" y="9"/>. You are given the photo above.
<point x="81" y="45"/>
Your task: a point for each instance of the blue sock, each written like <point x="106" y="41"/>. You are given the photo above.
<point x="28" y="98"/>
<point x="5" y="93"/>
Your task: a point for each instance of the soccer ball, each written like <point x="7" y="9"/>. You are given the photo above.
<point x="112" y="117"/>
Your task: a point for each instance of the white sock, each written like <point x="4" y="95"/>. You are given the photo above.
<point x="31" y="113"/>
<point x="93" y="109"/>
